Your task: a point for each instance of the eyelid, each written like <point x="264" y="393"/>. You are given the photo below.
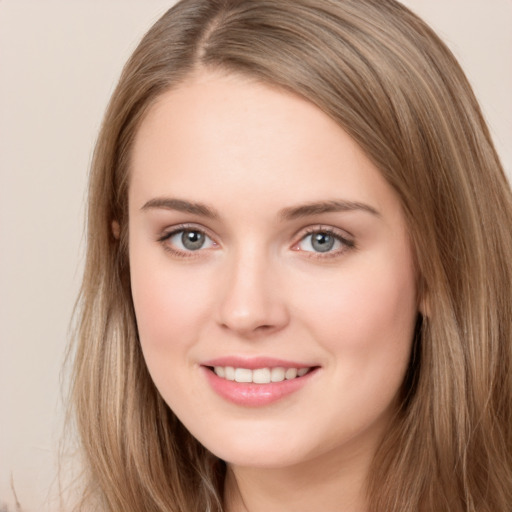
<point x="173" y="230"/>
<point x="346" y="239"/>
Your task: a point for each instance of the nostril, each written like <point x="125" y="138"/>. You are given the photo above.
<point x="263" y="328"/>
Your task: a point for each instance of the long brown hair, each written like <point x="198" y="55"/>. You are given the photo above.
<point x="388" y="80"/>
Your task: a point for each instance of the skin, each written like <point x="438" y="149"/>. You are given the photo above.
<point x="258" y="287"/>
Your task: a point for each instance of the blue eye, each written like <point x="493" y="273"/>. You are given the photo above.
<point x="188" y="240"/>
<point x="322" y="241"/>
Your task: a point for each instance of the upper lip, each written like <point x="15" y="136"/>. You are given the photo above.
<point x="252" y="363"/>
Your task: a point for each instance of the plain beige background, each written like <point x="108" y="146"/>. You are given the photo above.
<point x="59" y="61"/>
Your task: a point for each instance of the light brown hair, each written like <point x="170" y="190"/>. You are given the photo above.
<point x="388" y="80"/>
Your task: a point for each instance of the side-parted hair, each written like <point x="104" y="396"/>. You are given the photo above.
<point x="394" y="87"/>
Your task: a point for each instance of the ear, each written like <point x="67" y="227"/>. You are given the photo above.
<point x="116" y="229"/>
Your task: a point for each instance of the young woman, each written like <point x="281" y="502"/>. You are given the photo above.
<point x="297" y="289"/>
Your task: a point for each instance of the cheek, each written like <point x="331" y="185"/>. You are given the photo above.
<point x="168" y="303"/>
<point x="366" y="313"/>
<point x="365" y="321"/>
<point x="170" y="309"/>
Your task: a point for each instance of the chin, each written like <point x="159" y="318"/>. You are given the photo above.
<point x="259" y="450"/>
<point x="254" y="458"/>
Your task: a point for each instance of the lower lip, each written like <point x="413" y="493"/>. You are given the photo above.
<point x="255" y="395"/>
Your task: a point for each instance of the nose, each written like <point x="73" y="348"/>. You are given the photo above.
<point x="252" y="300"/>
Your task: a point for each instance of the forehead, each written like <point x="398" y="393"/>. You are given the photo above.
<point x="233" y="115"/>
<point x="220" y="135"/>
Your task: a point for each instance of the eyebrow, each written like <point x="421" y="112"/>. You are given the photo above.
<point x="181" y="205"/>
<point x="290" y="213"/>
<point x="317" y="208"/>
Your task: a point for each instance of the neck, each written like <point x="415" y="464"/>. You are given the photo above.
<point x="329" y="483"/>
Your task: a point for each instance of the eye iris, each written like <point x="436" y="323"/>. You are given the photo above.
<point x="192" y="240"/>
<point x="322" y="242"/>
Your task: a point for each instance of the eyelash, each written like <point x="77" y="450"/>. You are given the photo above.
<point x="180" y="229"/>
<point x="346" y="243"/>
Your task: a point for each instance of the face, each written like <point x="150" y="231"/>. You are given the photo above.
<point x="272" y="275"/>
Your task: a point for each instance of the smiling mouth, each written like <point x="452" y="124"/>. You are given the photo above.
<point x="259" y="375"/>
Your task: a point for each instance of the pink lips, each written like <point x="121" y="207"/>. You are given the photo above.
<point x="252" y="363"/>
<point x="251" y="394"/>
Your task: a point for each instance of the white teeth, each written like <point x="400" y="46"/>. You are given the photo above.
<point x="277" y="374"/>
<point x="220" y="371"/>
<point x="259" y="375"/>
<point x="243" y="375"/>
<point x="291" y="373"/>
